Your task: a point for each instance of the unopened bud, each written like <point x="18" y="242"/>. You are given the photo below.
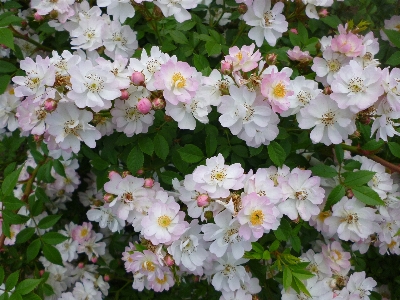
<point x="37" y="17"/>
<point x="124" y="95"/>
<point x="108" y="198"/>
<point x="148" y="182"/>
<point x="323" y="13"/>
<point x="41" y="272"/>
<point x="144" y="105"/>
<point x="332" y="283"/>
<point x="208" y="215"/>
<point x="158" y="103"/>
<point x="242" y="9"/>
<point x="271" y="58"/>
<point x="226" y="67"/>
<point x="94" y="259"/>
<point x="294" y="30"/>
<point x="137" y="78"/>
<point x="169" y="261"/>
<point x="81" y="265"/>
<point x="349" y="193"/>
<point x="203" y="200"/>
<point x="37" y="138"/>
<point x="140" y="172"/>
<point x="157" y="12"/>
<point x="106" y="278"/>
<point x="50" y="105"/>
<point x="327" y="90"/>
<point x="53" y="14"/>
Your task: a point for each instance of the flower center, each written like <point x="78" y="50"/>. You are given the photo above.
<point x="333" y="65"/>
<point x="301" y="195"/>
<point x="257" y="217"/>
<point x="127" y="197"/>
<point x="164" y="221"/>
<point x="304" y="97"/>
<point x="163" y="280"/>
<point x="351" y="218"/>
<point x="132" y="114"/>
<point x="328" y="118"/>
<point x="239" y="56"/>
<point x="84" y="232"/>
<point x="323" y="215"/>
<point x="179" y="80"/>
<point x="218" y="174"/>
<point x="148" y="265"/>
<point x="397" y="27"/>
<point x="268" y="18"/>
<point x="356" y="85"/>
<point x="279" y="90"/>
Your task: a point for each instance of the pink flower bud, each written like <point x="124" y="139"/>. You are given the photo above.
<point x="108" y="198"/>
<point x="94" y="259"/>
<point x="242" y="9"/>
<point x="327" y="90"/>
<point x="148" y="182"/>
<point x="137" y="78"/>
<point x="158" y="103"/>
<point x="226" y="67"/>
<point x="111" y="174"/>
<point x="169" y="261"/>
<point x="271" y="58"/>
<point x="41" y="272"/>
<point x="323" y="12"/>
<point x="37" y="17"/>
<point x="144" y="105"/>
<point x="81" y="265"/>
<point x="124" y="95"/>
<point x="37" y="138"/>
<point x="203" y="200"/>
<point x="349" y="193"/>
<point x="294" y="30"/>
<point x="139" y="172"/>
<point x="106" y="278"/>
<point x="50" y="105"/>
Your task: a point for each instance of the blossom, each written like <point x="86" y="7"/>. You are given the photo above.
<point x="244" y="59"/>
<point x="297" y="55"/>
<point x="268" y="24"/>
<point x="119" y="40"/>
<point x="88" y="34"/>
<point x="349" y="44"/>
<point x="216" y="178"/>
<point x="331" y="124"/>
<point x="360" y="287"/>
<point x="120" y="9"/>
<point x="164" y="223"/>
<point x="352" y="220"/>
<point x="177" y="8"/>
<point x="8" y="108"/>
<point x="356" y="88"/>
<point x="302" y="193"/>
<point x="178" y="80"/>
<point x="70" y="126"/>
<point x="336" y="258"/>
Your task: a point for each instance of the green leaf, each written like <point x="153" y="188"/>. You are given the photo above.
<point x="186" y="26"/>
<point x="7" y="38"/>
<point x="146" y="145"/>
<point x="367" y="195"/>
<point x="266" y="255"/>
<point x="4" y="82"/>
<point x="240" y="150"/>
<point x="339" y="152"/>
<point x="296" y="243"/>
<point x="332" y="21"/>
<point x="394" y="59"/>
<point x="99" y="163"/>
<point x="303" y="33"/>
<point x="12" y="202"/>
<point x="1" y="275"/>
<point x="257" y="247"/>
<point x="352" y="165"/>
<point x="161" y="147"/>
<point x="276" y="153"/>
<point x="394" y="149"/>
<point x="33" y="250"/>
<point x="53" y="238"/>
<point x="12" y="280"/>
<point x="10" y="182"/>
<point x="32" y="296"/>
<point x="334" y="196"/>
<point x="294" y="39"/>
<point x="191" y="153"/>
<point x="27" y="286"/>
<point x="12" y="218"/>
<point x="168" y="176"/>
<point x="44" y="173"/>
<point x="16" y="296"/>
<point x="213" y="48"/>
<point x="301" y="286"/>
<point x="211" y="145"/>
<point x="287" y="277"/>
<point x="52" y="254"/>
<point x="135" y="160"/>
<point x="394" y="36"/>
<point x="59" y="168"/>
<point x="24" y="235"/>
<point x="373" y="145"/>
<point x="178" y="37"/>
<point x="274" y="246"/>
<point x="357" y="178"/>
<point x="324" y="171"/>
<point x="255" y="151"/>
<point x="48" y="221"/>
<point x="10" y="20"/>
<point x="9" y="169"/>
<point x="200" y="62"/>
<point x="303" y="275"/>
<point x="6" y="67"/>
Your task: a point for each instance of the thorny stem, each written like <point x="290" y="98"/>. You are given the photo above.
<point x="28" y="39"/>
<point x="354" y="149"/>
<point x="27" y="192"/>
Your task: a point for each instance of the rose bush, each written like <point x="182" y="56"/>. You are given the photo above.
<point x="200" y="149"/>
